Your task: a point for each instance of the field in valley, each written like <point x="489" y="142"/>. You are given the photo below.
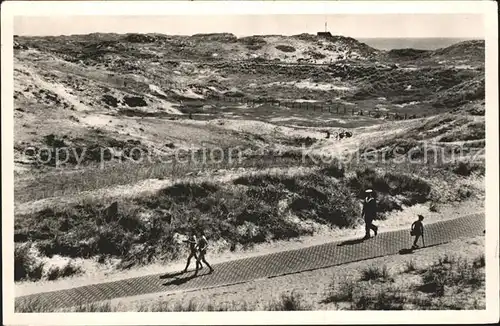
<point x="235" y="137"/>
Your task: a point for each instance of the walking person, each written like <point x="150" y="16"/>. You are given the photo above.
<point x="369" y="213"/>
<point x="417" y="230"/>
<point x="192" y="241"/>
<point x="202" y="251"/>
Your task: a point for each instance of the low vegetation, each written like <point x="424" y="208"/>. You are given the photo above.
<point x="285" y="48"/>
<point x="340" y="290"/>
<point x="432" y="141"/>
<point x="26" y="266"/>
<point x="288" y="302"/>
<point x="452" y="272"/>
<point x="250" y="209"/>
<point x="375" y="273"/>
<point x="467" y="168"/>
<point x="446" y="284"/>
<point x="69" y="269"/>
<point x="473" y="131"/>
<point x="29" y="267"/>
<point x="242" y="76"/>
<point x="59" y="183"/>
<point x="256" y="208"/>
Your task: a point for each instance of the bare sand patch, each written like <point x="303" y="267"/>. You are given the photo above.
<point x="308" y="84"/>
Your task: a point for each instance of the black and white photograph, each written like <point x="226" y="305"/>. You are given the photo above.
<point x="226" y="156"/>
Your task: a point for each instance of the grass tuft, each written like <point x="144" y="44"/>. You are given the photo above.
<point x="288" y="302"/>
<point x="382" y="299"/>
<point x="67" y="270"/>
<point x="410" y="266"/>
<point x="375" y="273"/>
<point x="451" y="272"/>
<point x="340" y="291"/>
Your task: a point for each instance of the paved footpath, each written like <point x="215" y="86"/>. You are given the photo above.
<point x="266" y="266"/>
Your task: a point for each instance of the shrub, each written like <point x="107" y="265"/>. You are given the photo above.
<point x="467" y="168"/>
<point x="59" y="152"/>
<point x="416" y="190"/>
<point x="253" y="42"/>
<point x="324" y="201"/>
<point x="473" y="131"/>
<point x="433" y="207"/>
<point x="451" y="271"/>
<point x="314" y="196"/>
<point x="285" y="48"/>
<point x="188" y="191"/>
<point x="387" y="204"/>
<point x="464" y="192"/>
<point x="94" y="307"/>
<point x="335" y="170"/>
<point x="410" y="266"/>
<point x="340" y="291"/>
<point x="479" y="262"/>
<point x="383" y="299"/>
<point x="69" y="269"/>
<point x="288" y="302"/>
<point x="26" y="266"/>
<point x="375" y="273"/>
<point x="33" y="305"/>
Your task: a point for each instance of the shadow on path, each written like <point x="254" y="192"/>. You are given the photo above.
<point x="351" y="242"/>
<point x="405" y="251"/>
<point x="170" y="275"/>
<point x="183" y="280"/>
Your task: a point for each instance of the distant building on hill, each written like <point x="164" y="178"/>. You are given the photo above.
<point x="325" y="34"/>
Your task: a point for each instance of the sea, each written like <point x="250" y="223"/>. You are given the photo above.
<point x="413" y="43"/>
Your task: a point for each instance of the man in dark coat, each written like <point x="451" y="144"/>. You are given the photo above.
<point x="369" y="213"/>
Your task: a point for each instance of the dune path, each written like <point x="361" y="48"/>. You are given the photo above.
<point x="266" y="266"/>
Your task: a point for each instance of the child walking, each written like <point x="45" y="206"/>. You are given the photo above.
<point x="192" y="241"/>
<point x="202" y="251"/>
<point x="417" y="230"/>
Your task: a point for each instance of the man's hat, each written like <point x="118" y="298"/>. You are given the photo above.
<point x="420" y="216"/>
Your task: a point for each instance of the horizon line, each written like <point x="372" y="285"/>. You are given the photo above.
<point x="250" y="35"/>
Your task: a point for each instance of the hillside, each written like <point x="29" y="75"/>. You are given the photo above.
<point x="105" y="118"/>
<point x="93" y="87"/>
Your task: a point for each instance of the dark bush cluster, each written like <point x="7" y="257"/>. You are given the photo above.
<point x="65" y="151"/>
<point x="253" y="210"/>
<point x="26" y="266"/>
<point x="414" y="189"/>
<point x="285" y="48"/>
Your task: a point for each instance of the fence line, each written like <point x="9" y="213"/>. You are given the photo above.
<point x="334" y="107"/>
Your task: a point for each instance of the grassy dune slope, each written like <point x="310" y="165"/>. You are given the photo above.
<point x="251" y="208"/>
<point x="161" y="96"/>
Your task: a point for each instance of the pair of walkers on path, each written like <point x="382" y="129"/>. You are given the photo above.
<point x="198" y="250"/>
<point x="370" y="212"/>
<point x="198" y="247"/>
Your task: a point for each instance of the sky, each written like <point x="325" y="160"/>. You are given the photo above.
<point x="353" y="25"/>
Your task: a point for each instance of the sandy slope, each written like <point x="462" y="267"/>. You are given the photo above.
<point x="148" y="186"/>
